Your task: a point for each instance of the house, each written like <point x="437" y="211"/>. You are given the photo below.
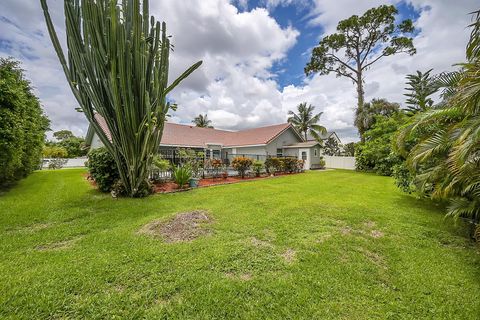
<point x="281" y="140"/>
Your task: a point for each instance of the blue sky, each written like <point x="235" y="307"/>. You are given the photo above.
<point x="254" y="52"/>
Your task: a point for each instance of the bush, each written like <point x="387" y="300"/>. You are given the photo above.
<point x="257" y="167"/>
<point x="56" y="163"/>
<point x="300" y="165"/>
<point x="181" y="175"/>
<point x="102" y="169"/>
<point x="242" y="164"/>
<point x="321" y="163"/>
<point x="290" y="164"/>
<point x="376" y="153"/>
<point x="273" y="165"/>
<point x="22" y="125"/>
<point x="55" y="152"/>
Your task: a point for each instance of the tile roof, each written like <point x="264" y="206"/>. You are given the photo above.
<point x="192" y="136"/>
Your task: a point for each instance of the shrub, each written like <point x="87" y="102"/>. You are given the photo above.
<point x="241" y="164"/>
<point x="181" y="175"/>
<point x="300" y="165"/>
<point x="322" y="163"/>
<point x="160" y="164"/>
<point x="257" y="167"/>
<point x="273" y="165"/>
<point x="102" y="169"/>
<point x="54" y="152"/>
<point x="290" y="164"/>
<point x="56" y="163"/>
<point x="22" y="125"/>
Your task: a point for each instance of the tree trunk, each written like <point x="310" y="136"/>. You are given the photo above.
<point x="360" y="95"/>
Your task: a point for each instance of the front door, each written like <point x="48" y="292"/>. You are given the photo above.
<point x="304" y="154"/>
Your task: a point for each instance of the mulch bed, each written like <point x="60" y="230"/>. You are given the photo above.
<point x="170" y="186"/>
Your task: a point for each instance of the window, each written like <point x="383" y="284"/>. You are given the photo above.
<point x="279" y="153"/>
<point x="304" y="155"/>
<point x="315" y="152"/>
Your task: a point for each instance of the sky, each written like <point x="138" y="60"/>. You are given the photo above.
<point x="253" y="52"/>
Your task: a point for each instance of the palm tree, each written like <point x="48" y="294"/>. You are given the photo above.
<point x="446" y="159"/>
<point x="306" y="122"/>
<point x="202" y="121"/>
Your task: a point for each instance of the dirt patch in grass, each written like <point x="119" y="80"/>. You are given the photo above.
<point x="32" y="228"/>
<point x="289" y="255"/>
<point x="375" y="258"/>
<point x="376" y="234"/>
<point x="346" y="230"/>
<point x="241" y="276"/>
<point x="184" y="227"/>
<point x="60" y="245"/>
<point x="369" y="224"/>
<point x="260" y="243"/>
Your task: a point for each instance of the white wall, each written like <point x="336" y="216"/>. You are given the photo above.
<point x="71" y="163"/>
<point x="335" y="162"/>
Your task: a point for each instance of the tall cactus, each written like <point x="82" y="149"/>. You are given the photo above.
<point x="117" y="67"/>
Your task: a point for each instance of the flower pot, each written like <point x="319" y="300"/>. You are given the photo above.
<point x="193" y="182"/>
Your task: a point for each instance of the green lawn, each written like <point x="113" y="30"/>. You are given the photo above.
<point x="357" y="248"/>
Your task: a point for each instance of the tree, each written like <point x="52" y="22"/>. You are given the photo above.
<point x="420" y="87"/>
<point x="362" y="41"/>
<point x="349" y="149"/>
<point x="376" y="153"/>
<point x="365" y="115"/>
<point x="63" y="135"/>
<point x="448" y="152"/>
<point x="306" y="122"/>
<point x="55" y="152"/>
<point x="117" y="68"/>
<point x="22" y="124"/>
<point x="202" y="121"/>
<point x="331" y="147"/>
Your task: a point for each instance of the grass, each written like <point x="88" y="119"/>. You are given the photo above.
<point x="330" y="245"/>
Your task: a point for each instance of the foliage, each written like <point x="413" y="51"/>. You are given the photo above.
<point x="362" y="40"/>
<point x="365" y="115"/>
<point x="160" y="164"/>
<point x="194" y="160"/>
<point x="202" y="121"/>
<point x="56" y="163"/>
<point x="54" y="152"/>
<point x="306" y="122"/>
<point x="181" y="175"/>
<point x="445" y="157"/>
<point x="242" y="165"/>
<point x="321" y="163"/>
<point x="273" y="164"/>
<point x="22" y="125"/>
<point x="215" y="165"/>
<point x="331" y="147"/>
<point x="102" y="169"/>
<point x="349" y="149"/>
<point x="117" y="68"/>
<point x="376" y="154"/>
<point x="63" y="135"/>
<point x="75" y="146"/>
<point x="257" y="167"/>
<point x="290" y="164"/>
<point x="420" y="87"/>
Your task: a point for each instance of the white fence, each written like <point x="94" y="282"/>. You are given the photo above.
<point x="71" y="163"/>
<point x="335" y="162"/>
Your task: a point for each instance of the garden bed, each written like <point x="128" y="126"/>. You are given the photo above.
<point x="170" y="186"/>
